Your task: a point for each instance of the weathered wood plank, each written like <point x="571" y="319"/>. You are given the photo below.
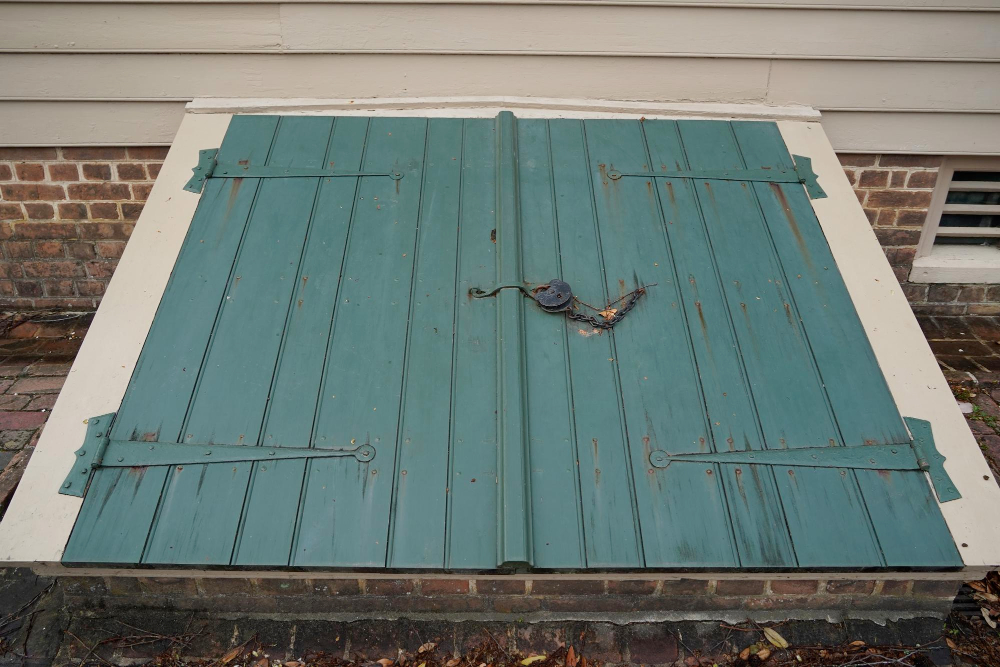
<point x="758" y="522"/>
<point x="682" y="508"/>
<point x="363" y="376"/>
<point x="611" y="526"/>
<point x="416" y="532"/>
<point x="556" y="511"/>
<point x="472" y="465"/>
<point x="269" y="517"/>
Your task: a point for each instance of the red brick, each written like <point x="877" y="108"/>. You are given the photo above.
<point x="911" y="218"/>
<point x="40" y="211"/>
<point x="131" y="171"/>
<point x="516" y="605"/>
<point x="94" y="153"/>
<point x="857" y="159"/>
<point x="984" y="309"/>
<point x="101" y="269"/>
<point x="972" y="294"/>
<point x="898" y="179"/>
<point x="49" y="249"/>
<point x="46" y="230"/>
<point x="897" y="199"/>
<point x="89" y="288"/>
<point x="8" y="402"/>
<point x="18" y="421"/>
<point x="872" y="178"/>
<point x="97" y="172"/>
<point x="850" y="587"/>
<point x="909" y="161"/>
<point x="739" y="587"/>
<point x="19" y="249"/>
<point x="27" y="154"/>
<point x="32" y="192"/>
<point x="29" y="288"/>
<point x="894" y="236"/>
<point x="444" y="586"/>
<point x="110" y="249"/>
<point x="336" y="586"/>
<point x="64" y="171"/>
<point x="104" y="211"/>
<point x="140" y="191"/>
<point x="567" y="587"/>
<point x="896" y="588"/>
<point x="922" y="179"/>
<point x="5" y="173"/>
<point x="131" y="211"/>
<point x="59" y="288"/>
<point x="631" y="587"/>
<point x="10" y="270"/>
<point x="685" y="587"/>
<point x="95" y="191"/>
<point x="45" y="402"/>
<point x="38" y="385"/>
<point x="81" y="250"/>
<point x="794" y="586"/>
<point x="500" y="586"/>
<point x="936" y="589"/>
<point x="29" y="171"/>
<point x="53" y="269"/>
<point x="887" y="217"/>
<point x="388" y="586"/>
<point x="11" y="212"/>
<point x="154" y="169"/>
<point x="7" y="288"/>
<point x="106" y="230"/>
<point x="872" y="215"/>
<point x="148" y="152"/>
<point x="73" y="211"/>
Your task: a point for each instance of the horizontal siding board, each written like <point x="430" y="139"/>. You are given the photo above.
<point x="527" y="27"/>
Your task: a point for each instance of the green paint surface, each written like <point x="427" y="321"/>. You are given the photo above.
<point x="320" y="312"/>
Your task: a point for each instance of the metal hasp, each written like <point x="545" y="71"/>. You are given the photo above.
<point x="801" y="173"/>
<point x="99" y="451"/>
<point x="920" y="454"/>
<point x="208" y="167"/>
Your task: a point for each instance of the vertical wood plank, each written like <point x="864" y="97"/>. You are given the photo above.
<point x="682" y="508"/>
<point x="610" y="523"/>
<point x="758" y="521"/>
<point x="417" y="536"/>
<point x="269" y="517"/>
<point x="363" y="376"/>
<point x="826" y="515"/>
<point x="111" y="527"/>
<point x="471" y="540"/>
<point x="556" y="510"/>
<point x="199" y="517"/>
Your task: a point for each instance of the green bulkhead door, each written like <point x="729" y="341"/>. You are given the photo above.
<point x="319" y="337"/>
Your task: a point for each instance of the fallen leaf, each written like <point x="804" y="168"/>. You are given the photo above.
<point x="772" y="636"/>
<point x="426" y="647"/>
<point x="977" y="586"/>
<point x="609" y="313"/>
<point x="571" y="658"/>
<point x="583" y="661"/>
<point x="763" y="654"/>
<point x="452" y="662"/>
<point x="986" y="616"/>
<point x="532" y="659"/>
<point x="856" y="644"/>
<point x="261" y="663"/>
<point x="293" y="663"/>
<point x="385" y="662"/>
<point x="231" y="655"/>
<point x="952" y="645"/>
<point x="745" y="654"/>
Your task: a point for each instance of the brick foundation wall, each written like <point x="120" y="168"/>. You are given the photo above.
<point x="500" y="597"/>
<point x="65" y="215"/>
<point x="895" y="191"/>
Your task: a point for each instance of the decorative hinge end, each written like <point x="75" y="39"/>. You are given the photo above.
<point x="808" y="178"/>
<point x="930" y="460"/>
<point x="204" y="169"/>
<point x="89" y="456"/>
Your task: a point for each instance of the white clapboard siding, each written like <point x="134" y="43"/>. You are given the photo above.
<point x="878" y="69"/>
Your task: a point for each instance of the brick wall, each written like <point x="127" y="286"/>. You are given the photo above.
<point x="65" y="215"/>
<point x="895" y="191"/>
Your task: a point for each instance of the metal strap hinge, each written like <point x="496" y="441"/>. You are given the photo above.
<point x="919" y="454"/>
<point x="208" y="167"/>
<point x="100" y="451"/>
<point x="801" y="173"/>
